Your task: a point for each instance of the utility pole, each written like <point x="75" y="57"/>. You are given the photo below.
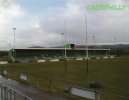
<point x="115" y="45"/>
<point x="62" y="34"/>
<point x="93" y="38"/>
<point x="65" y="47"/>
<point x="86" y="46"/>
<point x="93" y="44"/>
<point x="14" y="29"/>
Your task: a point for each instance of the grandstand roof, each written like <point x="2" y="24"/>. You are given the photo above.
<point x="56" y="49"/>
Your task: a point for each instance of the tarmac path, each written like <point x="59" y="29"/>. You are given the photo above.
<point x="33" y="93"/>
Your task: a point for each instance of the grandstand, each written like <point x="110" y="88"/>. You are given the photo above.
<point x="35" y="54"/>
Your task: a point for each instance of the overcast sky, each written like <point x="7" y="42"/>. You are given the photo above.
<point x="41" y="22"/>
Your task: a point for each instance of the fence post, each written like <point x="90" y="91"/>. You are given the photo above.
<point x="50" y="85"/>
<point x="1" y="91"/>
<point x="10" y="94"/>
<point x="6" y="92"/>
<point x="38" y="82"/>
<point x="14" y="95"/>
<point x="97" y="95"/>
<point x="25" y="98"/>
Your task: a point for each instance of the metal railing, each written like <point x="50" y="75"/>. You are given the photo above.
<point x="7" y="93"/>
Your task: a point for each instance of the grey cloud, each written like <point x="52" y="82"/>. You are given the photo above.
<point x="104" y="24"/>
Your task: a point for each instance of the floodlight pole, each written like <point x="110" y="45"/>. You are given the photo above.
<point x="65" y="48"/>
<point x="87" y="62"/>
<point x="62" y="43"/>
<point x="93" y="38"/>
<point x="115" y="46"/>
<point x="14" y="44"/>
<point x="93" y="43"/>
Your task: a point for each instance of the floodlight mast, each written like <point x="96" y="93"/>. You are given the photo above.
<point x="93" y="38"/>
<point x="87" y="55"/>
<point x="115" y="45"/>
<point x="65" y="38"/>
<point x="62" y="34"/>
<point x="65" y="47"/>
<point x="94" y="43"/>
<point x="14" y="29"/>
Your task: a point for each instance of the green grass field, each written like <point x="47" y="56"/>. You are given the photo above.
<point x="112" y="73"/>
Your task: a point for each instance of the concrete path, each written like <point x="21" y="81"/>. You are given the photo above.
<point x="33" y="93"/>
